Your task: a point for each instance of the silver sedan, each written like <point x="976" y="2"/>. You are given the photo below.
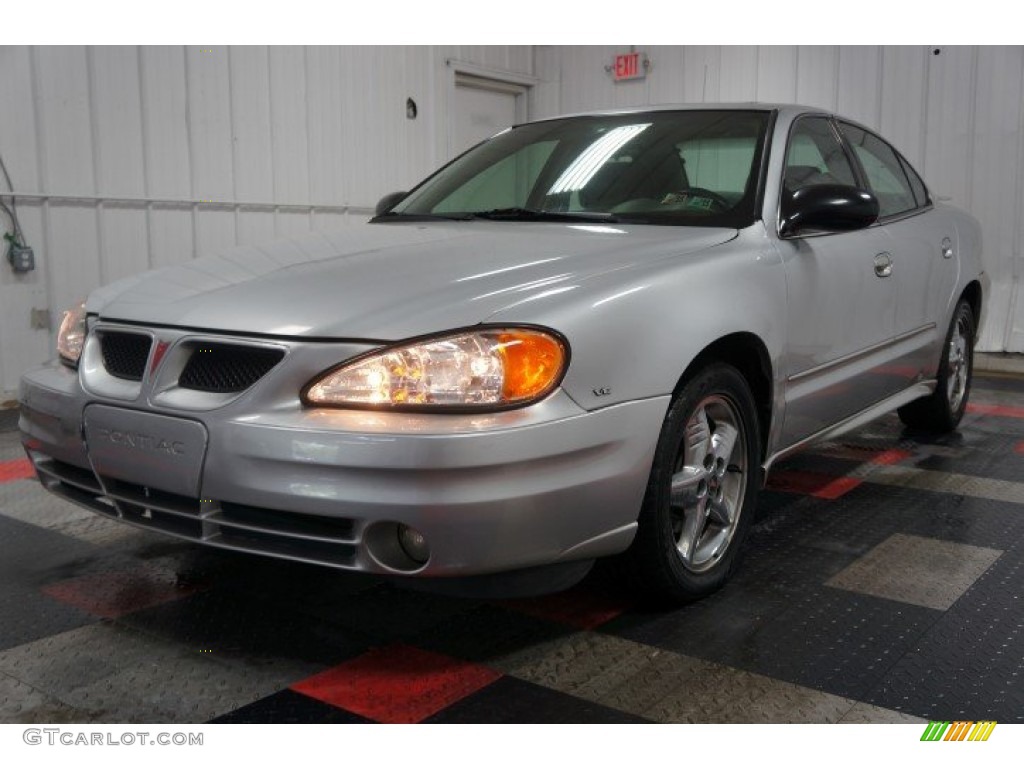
<point x="586" y="337"/>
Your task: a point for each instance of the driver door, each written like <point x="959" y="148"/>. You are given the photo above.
<point x="842" y="305"/>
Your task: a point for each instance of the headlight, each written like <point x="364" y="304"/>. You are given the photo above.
<point x="485" y="368"/>
<point x="71" y="336"/>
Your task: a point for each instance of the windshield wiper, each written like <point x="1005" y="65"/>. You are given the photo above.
<point x="533" y="214"/>
<point x="395" y="215"/>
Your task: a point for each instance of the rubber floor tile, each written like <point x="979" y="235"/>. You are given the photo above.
<point x="278" y="585"/>
<point x="949" y="482"/>
<point x="586" y="664"/>
<point x="771" y="503"/>
<point x="1005" y="381"/>
<point x="820" y="468"/>
<point x="33" y="556"/>
<point x="872" y="513"/>
<point x="115" y="674"/>
<point x="104" y="532"/>
<point x="21" y="703"/>
<point x="112" y="594"/>
<point x="668" y="687"/>
<point x="16" y="469"/>
<point x="28" y="502"/>
<point x="488" y="634"/>
<point x="796" y="556"/>
<point x="860" y="453"/>
<point x="891" y="456"/>
<point x="868" y="714"/>
<point x="991" y="391"/>
<point x="230" y="625"/>
<point x="828" y="639"/>
<point x="917" y="570"/>
<point x="390" y="614"/>
<point x="397" y="684"/>
<point x="727" y="620"/>
<point x="72" y="659"/>
<point x="174" y="689"/>
<point x="509" y="701"/>
<point x="1006" y="464"/>
<point x="26" y="616"/>
<point x="970" y="664"/>
<point x="988" y="409"/>
<point x="978" y="424"/>
<point x="793" y="551"/>
<point x="289" y="707"/>
<point x="585" y="607"/>
<point x="811" y="483"/>
<point x="693" y="691"/>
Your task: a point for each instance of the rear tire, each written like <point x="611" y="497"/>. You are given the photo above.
<point x="702" y="491"/>
<point x="942" y="410"/>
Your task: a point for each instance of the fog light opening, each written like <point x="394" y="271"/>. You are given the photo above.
<point x="414" y="544"/>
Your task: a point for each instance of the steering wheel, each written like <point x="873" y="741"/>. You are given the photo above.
<point x="707" y="194"/>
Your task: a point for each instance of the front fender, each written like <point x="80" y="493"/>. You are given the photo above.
<point x="633" y="333"/>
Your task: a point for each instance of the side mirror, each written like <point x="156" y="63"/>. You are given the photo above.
<point x="828" y="208"/>
<point x="388" y="202"/>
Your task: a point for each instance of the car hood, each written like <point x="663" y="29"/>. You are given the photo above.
<point x="389" y="281"/>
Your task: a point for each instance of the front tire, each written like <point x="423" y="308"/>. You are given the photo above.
<point x="942" y="410"/>
<point x="702" y="491"/>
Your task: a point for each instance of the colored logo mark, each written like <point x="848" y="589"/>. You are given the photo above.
<point x="959" y="730"/>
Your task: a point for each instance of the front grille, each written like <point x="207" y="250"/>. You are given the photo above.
<point x="286" y="523"/>
<point x="227" y="367"/>
<point x="125" y="354"/>
<point x="319" y="539"/>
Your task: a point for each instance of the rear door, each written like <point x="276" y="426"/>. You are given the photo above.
<point x="922" y="243"/>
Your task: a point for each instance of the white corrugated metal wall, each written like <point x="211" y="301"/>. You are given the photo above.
<point x="311" y="137"/>
<point x="957" y="116"/>
<point x="119" y="147"/>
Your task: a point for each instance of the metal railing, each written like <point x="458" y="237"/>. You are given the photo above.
<point x="170" y="202"/>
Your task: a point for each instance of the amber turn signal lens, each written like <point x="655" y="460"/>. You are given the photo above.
<point x="532" y="363"/>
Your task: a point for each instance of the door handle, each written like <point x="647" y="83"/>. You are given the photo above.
<point x="883" y="265"/>
<point x="947" y="248"/>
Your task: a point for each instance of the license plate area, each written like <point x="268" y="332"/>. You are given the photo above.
<point x="161" y="452"/>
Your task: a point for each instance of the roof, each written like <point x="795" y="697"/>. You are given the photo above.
<point x="786" y="110"/>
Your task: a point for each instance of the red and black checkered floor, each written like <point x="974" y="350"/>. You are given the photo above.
<point x="883" y="582"/>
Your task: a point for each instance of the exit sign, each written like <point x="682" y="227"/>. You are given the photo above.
<point x="629" y="66"/>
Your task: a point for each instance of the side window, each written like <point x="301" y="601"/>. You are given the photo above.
<point x="885" y="174"/>
<point x="815" y="156"/>
<point x="920" y="191"/>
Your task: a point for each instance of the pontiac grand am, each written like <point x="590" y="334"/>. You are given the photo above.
<point x="586" y="337"/>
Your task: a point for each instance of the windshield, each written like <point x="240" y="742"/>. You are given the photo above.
<point x="685" y="168"/>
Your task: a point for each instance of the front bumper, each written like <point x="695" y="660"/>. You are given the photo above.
<point x="491" y="493"/>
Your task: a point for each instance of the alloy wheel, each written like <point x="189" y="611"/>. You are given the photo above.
<point x="957" y="364"/>
<point x="709" y="483"/>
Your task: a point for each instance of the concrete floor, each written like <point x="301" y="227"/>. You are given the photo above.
<point x="883" y="582"/>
